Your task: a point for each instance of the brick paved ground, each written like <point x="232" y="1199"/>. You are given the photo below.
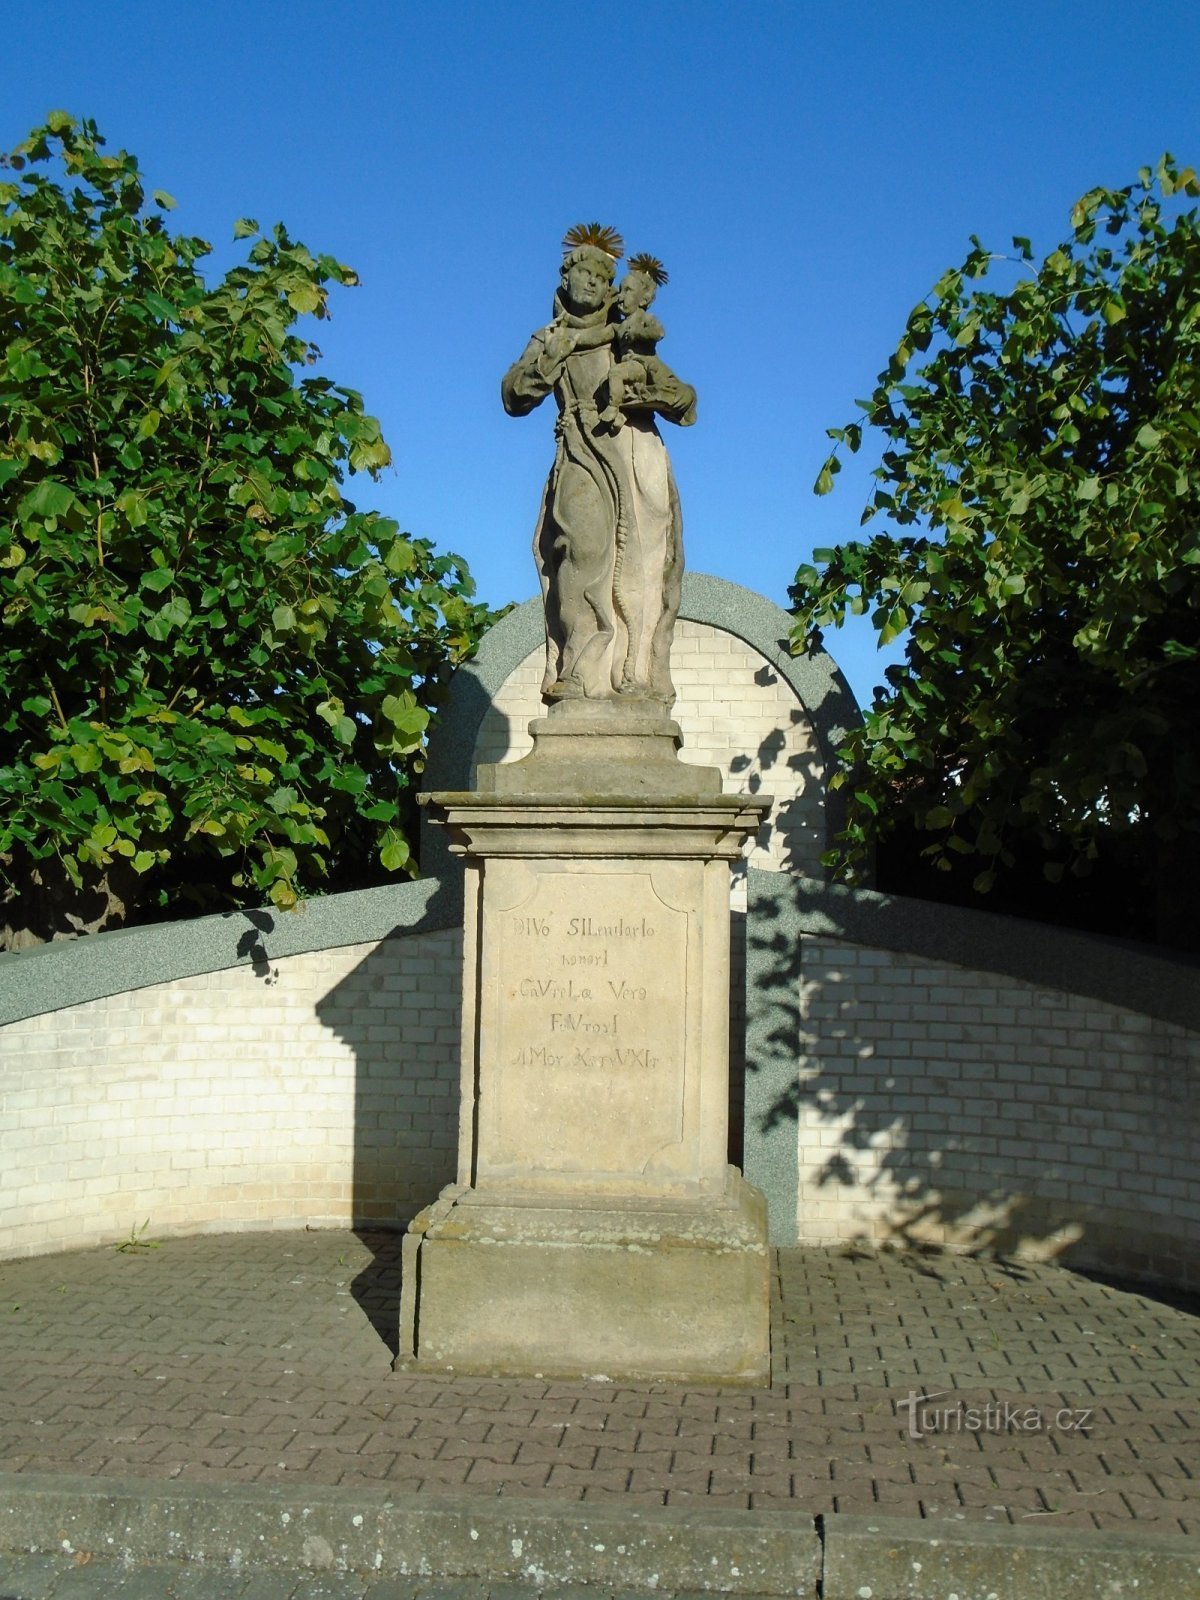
<point x="265" y="1357"/>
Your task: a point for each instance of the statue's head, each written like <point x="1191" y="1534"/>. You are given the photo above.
<point x="640" y="284"/>
<point x="591" y="252"/>
<point x="586" y="278"/>
<point x="636" y="291"/>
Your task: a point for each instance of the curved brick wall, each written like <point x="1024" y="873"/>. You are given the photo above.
<point x="904" y="1087"/>
<point x="769" y="720"/>
<point x="734" y="711"/>
<point x="914" y="1073"/>
<point x="315" y="1089"/>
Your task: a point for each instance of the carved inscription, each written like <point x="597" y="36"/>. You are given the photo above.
<point x="575" y="1011"/>
<point x="591" y="1024"/>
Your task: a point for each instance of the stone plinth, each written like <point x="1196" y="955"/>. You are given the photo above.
<point x="596" y="1226"/>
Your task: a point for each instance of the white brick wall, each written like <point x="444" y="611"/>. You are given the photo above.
<point x="963" y="1108"/>
<point x="322" y="1091"/>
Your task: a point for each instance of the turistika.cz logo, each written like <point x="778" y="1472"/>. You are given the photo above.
<point x="926" y="1416"/>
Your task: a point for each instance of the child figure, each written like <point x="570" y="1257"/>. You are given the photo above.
<point x="635" y="337"/>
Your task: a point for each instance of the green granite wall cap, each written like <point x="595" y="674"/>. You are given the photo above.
<point x="1149" y="979"/>
<point x="71" y="972"/>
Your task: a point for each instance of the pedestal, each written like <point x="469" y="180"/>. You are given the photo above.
<point x="596" y="1228"/>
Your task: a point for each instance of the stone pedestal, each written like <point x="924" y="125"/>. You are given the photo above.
<point x="596" y="1228"/>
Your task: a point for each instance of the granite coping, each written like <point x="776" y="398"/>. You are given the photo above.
<point x="1136" y="977"/>
<point x="71" y="972"/>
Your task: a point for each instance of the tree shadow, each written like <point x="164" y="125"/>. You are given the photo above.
<point x="1161" y="1294"/>
<point x="793" y="837"/>
<point x="895" y="1107"/>
<point x="250" y="943"/>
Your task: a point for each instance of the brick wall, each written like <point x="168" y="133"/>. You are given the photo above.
<point x="945" y="1106"/>
<point x="890" y="1096"/>
<point x="319" y="1088"/>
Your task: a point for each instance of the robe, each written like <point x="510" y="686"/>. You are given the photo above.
<point x="608" y="544"/>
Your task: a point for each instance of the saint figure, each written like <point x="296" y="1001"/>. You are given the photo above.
<point x="609" y="538"/>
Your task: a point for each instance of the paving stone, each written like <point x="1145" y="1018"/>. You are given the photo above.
<point x="270" y="1586"/>
<point x="178" y="1365"/>
<point x="209" y="1583"/>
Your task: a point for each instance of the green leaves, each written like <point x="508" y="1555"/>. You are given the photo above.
<point x="46" y="499"/>
<point x="1043" y="436"/>
<point x="160" y="307"/>
<point x="344" y="728"/>
<point x="204" y="647"/>
<point x="393" y="851"/>
<point x="304" y="297"/>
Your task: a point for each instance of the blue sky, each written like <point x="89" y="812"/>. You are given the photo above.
<point x="805" y="171"/>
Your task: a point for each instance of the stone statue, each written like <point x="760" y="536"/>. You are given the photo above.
<point x="609" y="538"/>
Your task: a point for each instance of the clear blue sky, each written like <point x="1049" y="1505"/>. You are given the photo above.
<point x="805" y="171"/>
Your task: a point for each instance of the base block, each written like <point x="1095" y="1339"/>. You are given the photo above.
<point x="527" y="1285"/>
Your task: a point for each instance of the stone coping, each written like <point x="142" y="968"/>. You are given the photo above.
<point x="372" y="1530"/>
<point x="643" y="1550"/>
<point x="889" y="1558"/>
<point x="70" y="972"/>
<point x="1134" y="977"/>
<point x="74" y="971"/>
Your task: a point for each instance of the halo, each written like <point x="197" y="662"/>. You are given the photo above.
<point x="596" y="234"/>
<point x="651" y="266"/>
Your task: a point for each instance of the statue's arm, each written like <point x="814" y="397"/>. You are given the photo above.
<point x="530" y="379"/>
<point x="662" y="392"/>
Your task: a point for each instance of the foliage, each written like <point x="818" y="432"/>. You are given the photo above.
<point x="1045" y="443"/>
<point x="217" y="673"/>
<point x="137" y="1240"/>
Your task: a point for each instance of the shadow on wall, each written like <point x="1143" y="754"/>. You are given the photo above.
<point x="895" y="1097"/>
<point x="793" y="835"/>
<point x="399" y="1011"/>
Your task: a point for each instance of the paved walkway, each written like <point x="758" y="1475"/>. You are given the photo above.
<point x="265" y="1358"/>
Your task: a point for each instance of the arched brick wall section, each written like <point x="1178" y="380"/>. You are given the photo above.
<point x="769" y="720"/>
<point x="734" y="711"/>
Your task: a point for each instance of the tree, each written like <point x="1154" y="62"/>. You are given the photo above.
<point x="216" y="674"/>
<point x="1044" y="443"/>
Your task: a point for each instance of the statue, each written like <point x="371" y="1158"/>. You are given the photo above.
<point x="609" y="538"/>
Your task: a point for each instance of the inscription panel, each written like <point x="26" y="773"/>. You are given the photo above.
<point x="584" y="1061"/>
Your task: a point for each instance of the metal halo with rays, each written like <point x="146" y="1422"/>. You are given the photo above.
<point x="596" y="234"/>
<point x="650" y="265"/>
